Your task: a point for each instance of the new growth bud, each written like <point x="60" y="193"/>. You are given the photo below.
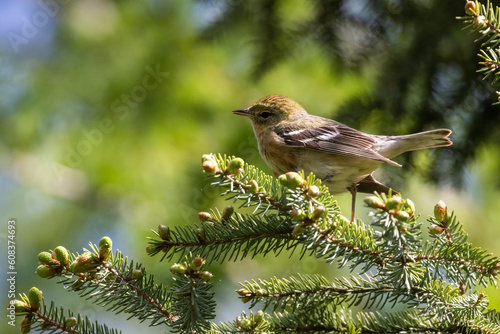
<point x="61" y="254"/>
<point x="470" y="8"/>
<point x="318" y="212"/>
<point x="227" y="212"/>
<point x="313" y="191"/>
<point x="197" y="263"/>
<point x="177" y="269"/>
<point x="440" y="211"/>
<point x="205" y="275"/>
<point x="163" y="232"/>
<point x="298" y="228"/>
<point x="374" y="202"/>
<point x="235" y="166"/>
<point x="19" y="306"/>
<point x="136" y="274"/>
<point x="253" y="187"/>
<point x="70" y="322"/>
<point x="35" y="298"/>
<point x="45" y="258"/>
<point x="258" y="317"/>
<point x="205" y="216"/>
<point x="291" y="180"/>
<point x="436" y="229"/>
<point x="210" y="166"/>
<point x="297" y="214"/>
<point x="401" y="215"/>
<point x="105" y="248"/>
<point x="45" y="271"/>
<point x="393" y="203"/>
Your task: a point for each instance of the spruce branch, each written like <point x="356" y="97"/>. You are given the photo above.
<point x="433" y="283"/>
<point x="485" y="20"/>
<point x="111" y="281"/>
<point x="306" y="291"/>
<point x="193" y="298"/>
<point x="39" y="317"/>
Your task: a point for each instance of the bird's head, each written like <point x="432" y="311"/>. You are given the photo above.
<point x="271" y="110"/>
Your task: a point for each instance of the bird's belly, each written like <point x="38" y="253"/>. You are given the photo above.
<point x="337" y="172"/>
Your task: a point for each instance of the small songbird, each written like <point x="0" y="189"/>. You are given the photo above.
<point x="290" y="139"/>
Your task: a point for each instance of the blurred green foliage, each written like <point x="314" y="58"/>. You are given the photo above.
<point x="107" y="107"/>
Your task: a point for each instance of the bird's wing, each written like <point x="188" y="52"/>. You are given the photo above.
<point x="336" y="139"/>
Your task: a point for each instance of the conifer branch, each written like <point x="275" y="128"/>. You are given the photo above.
<point x="485" y="19"/>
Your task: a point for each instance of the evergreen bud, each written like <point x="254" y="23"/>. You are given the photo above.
<point x="318" y="212"/>
<point x="440" y="211"/>
<point x="436" y="229"/>
<point x="298" y="228"/>
<point x="245" y="324"/>
<point x="393" y="203"/>
<point x="313" y="191"/>
<point x="258" y="317"/>
<point x="105" y="248"/>
<point x="259" y="293"/>
<point x="243" y="292"/>
<point x="291" y="180"/>
<point x="246" y="299"/>
<point x="207" y="157"/>
<point x="470" y="8"/>
<point x="235" y="166"/>
<point x="19" y="306"/>
<point x="227" y="212"/>
<point x="35" y="298"/>
<point x="61" y="254"/>
<point x="70" y="322"/>
<point x="205" y="275"/>
<point x="493" y="272"/>
<point x="150" y="249"/>
<point x="205" y="216"/>
<point x="163" y="232"/>
<point x="177" y="269"/>
<point x="401" y="215"/>
<point x="210" y="166"/>
<point x="297" y="214"/>
<point x="45" y="258"/>
<point x="197" y="263"/>
<point x="82" y="263"/>
<point x="26" y="325"/>
<point x="253" y="187"/>
<point x="136" y="274"/>
<point x="374" y="202"/>
<point x="410" y="207"/>
<point x="45" y="271"/>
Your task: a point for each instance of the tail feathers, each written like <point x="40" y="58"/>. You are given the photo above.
<point x="370" y="185"/>
<point x="393" y="146"/>
<point x="427" y="139"/>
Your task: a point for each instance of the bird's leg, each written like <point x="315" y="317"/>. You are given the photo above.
<point x="353" y="190"/>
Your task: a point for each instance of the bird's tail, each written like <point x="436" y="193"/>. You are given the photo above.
<point x="395" y="145"/>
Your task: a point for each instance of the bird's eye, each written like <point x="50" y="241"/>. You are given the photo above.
<point x="265" y="114"/>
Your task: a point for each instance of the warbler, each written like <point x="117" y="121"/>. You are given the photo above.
<point x="290" y="139"/>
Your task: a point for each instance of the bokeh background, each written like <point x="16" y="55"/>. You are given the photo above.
<point x="107" y="106"/>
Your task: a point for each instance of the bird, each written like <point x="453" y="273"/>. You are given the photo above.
<point x="290" y="140"/>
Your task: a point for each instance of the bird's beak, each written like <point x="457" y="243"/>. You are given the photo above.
<point x="242" y="112"/>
